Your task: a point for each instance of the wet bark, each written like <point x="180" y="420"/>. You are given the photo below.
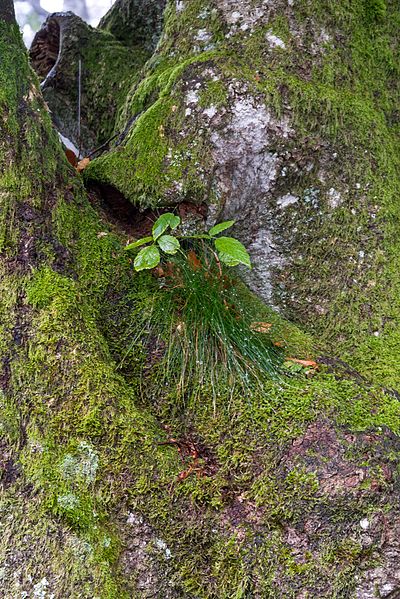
<point x="109" y="486"/>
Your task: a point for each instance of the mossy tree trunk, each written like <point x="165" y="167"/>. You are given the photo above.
<point x="283" y="116"/>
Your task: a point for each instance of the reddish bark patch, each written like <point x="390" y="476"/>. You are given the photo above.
<point x="329" y="454"/>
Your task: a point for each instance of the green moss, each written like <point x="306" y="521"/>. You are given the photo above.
<point x="214" y="94"/>
<point x="285" y="499"/>
<point x="13" y="81"/>
<point x="109" y="86"/>
<point x="152" y="160"/>
<point x="93" y="421"/>
<point x="375" y="9"/>
<point x="48" y="286"/>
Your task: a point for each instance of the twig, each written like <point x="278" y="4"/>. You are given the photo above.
<point x="104" y="145"/>
<point x="79" y="105"/>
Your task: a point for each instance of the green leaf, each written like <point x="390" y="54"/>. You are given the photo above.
<point x="166" y="220"/>
<point x="227" y="259"/>
<point x="232" y="252"/>
<point x="221" y="227"/>
<point x="168" y="244"/>
<point x="138" y="243"/>
<point x="148" y="257"/>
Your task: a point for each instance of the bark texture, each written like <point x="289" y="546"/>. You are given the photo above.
<point x="135" y="22"/>
<point x="83" y="92"/>
<point x="112" y="484"/>
<point x="7" y="11"/>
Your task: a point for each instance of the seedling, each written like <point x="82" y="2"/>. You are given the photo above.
<point x="228" y="250"/>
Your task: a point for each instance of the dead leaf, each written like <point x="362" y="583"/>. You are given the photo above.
<point x="305" y="363"/>
<point x="102" y="234"/>
<point x="72" y="159"/>
<point x="82" y="164"/>
<point x="158" y="272"/>
<point x="193" y="260"/>
<point x="261" y="327"/>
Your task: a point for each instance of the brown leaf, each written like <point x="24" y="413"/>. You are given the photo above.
<point x="261" y="327"/>
<point x="72" y="159"/>
<point x="82" y="164"/>
<point x="193" y="260"/>
<point x="158" y="271"/>
<point x="185" y="473"/>
<point x="305" y="363"/>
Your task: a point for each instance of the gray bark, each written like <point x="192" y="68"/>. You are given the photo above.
<point x="110" y="485"/>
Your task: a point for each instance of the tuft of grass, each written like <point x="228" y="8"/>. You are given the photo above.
<point x="203" y="326"/>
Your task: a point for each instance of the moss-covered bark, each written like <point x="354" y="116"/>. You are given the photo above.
<point x="296" y="491"/>
<point x="283" y="117"/>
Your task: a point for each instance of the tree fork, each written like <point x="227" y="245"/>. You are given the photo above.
<point x="297" y="487"/>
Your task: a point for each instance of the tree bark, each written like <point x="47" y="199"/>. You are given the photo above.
<point x="7" y="11"/>
<point x="284" y="117"/>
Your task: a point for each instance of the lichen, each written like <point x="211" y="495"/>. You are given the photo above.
<point x="90" y="439"/>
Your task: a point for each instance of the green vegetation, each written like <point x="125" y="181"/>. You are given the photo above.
<point x="202" y="332"/>
<point x="343" y="100"/>
<point x="99" y="359"/>
<point x="229" y="251"/>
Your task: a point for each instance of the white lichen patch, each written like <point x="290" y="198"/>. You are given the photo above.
<point x="263" y="251"/>
<point x="242" y="148"/>
<point x="134" y="519"/>
<point x="82" y="465"/>
<point x="40" y="590"/>
<point x="287" y="200"/>
<point x="80" y="548"/>
<point x="203" y="36"/>
<point x="192" y="97"/>
<point x="364" y="523"/>
<point x="210" y="112"/>
<point x="68" y="502"/>
<point x="248" y="167"/>
<point x="275" y="41"/>
<point x="244" y="16"/>
<point x="334" y="198"/>
<point x="162" y="546"/>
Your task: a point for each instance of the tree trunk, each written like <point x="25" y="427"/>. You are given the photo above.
<point x="7" y="11"/>
<point x="114" y="482"/>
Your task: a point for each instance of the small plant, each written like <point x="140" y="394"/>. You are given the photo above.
<point x="228" y="250"/>
<point x="200" y="325"/>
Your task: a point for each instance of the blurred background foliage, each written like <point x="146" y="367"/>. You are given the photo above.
<point x="32" y="13"/>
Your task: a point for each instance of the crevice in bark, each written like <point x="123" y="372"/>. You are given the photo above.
<point x="120" y="212"/>
<point x="130" y="219"/>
